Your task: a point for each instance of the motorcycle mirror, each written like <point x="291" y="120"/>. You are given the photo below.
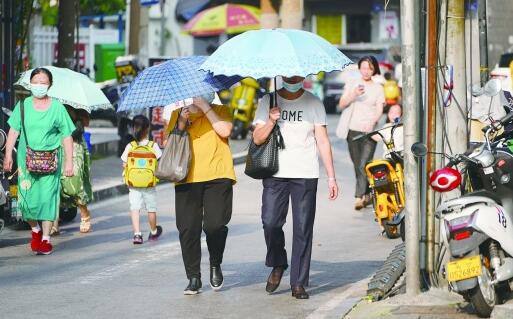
<point x="6" y="111"/>
<point x="419" y="149"/>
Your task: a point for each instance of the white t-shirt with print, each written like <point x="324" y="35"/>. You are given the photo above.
<point x="297" y="122"/>
<point x="128" y="148"/>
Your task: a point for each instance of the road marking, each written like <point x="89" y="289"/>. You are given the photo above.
<point x="324" y="310"/>
<point x="150" y="255"/>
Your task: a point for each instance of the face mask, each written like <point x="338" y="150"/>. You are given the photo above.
<point x="39" y="90"/>
<point x="293" y="88"/>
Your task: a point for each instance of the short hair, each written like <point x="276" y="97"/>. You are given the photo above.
<point x="372" y="62"/>
<point x="37" y="71"/>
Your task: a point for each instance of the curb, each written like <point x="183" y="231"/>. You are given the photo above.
<point x="122" y="189"/>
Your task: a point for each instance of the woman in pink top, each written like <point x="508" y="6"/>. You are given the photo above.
<point x="366" y="99"/>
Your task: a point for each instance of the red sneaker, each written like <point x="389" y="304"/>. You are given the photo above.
<point x="36" y="240"/>
<point x="45" y="248"/>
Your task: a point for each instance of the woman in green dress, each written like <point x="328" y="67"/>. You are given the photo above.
<point x="47" y="126"/>
<point x="77" y="191"/>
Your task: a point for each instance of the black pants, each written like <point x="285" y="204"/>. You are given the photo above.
<point x="361" y="152"/>
<point x="207" y="206"/>
<point x="275" y="206"/>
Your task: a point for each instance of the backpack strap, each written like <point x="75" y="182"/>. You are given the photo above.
<point x="151" y="143"/>
<point x="134" y="144"/>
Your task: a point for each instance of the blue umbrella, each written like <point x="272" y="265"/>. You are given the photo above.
<point x="170" y="82"/>
<point x="269" y="53"/>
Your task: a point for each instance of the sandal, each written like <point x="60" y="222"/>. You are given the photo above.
<point x="85" y="224"/>
<point x="54" y="231"/>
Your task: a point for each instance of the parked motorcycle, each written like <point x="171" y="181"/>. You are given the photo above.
<point x="243" y="104"/>
<point x="386" y="181"/>
<point x="477" y="226"/>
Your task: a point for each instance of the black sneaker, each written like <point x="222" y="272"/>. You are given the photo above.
<point x="216" y="277"/>
<point x="138" y="240"/>
<point x="194" y="287"/>
<point x="156" y="236"/>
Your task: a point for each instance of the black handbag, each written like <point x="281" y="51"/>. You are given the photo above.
<point x="262" y="160"/>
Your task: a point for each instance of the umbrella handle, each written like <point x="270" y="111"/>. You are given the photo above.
<point x="275" y="96"/>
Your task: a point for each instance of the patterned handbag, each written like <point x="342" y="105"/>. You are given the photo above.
<point x="38" y="162"/>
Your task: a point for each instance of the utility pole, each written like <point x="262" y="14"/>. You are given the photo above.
<point x="455" y="56"/>
<point x="431" y="68"/>
<point x="291" y="14"/>
<point x="66" y="37"/>
<point x="269" y="18"/>
<point x="483" y="41"/>
<point x="411" y="100"/>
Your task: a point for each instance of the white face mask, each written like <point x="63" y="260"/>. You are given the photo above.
<point x="39" y="90"/>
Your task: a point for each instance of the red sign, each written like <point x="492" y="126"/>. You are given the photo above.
<point x="158" y="130"/>
<point x="81" y="54"/>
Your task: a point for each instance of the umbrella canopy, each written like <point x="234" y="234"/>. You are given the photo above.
<point x="229" y="18"/>
<point x="269" y="53"/>
<point x="72" y="88"/>
<point x="170" y="82"/>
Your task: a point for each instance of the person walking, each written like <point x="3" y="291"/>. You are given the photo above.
<point x="44" y="125"/>
<point x="204" y="199"/>
<point x="77" y="191"/>
<point x="142" y="196"/>
<point x="302" y="121"/>
<point x="365" y="99"/>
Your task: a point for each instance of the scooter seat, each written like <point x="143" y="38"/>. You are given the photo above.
<point x="485" y="193"/>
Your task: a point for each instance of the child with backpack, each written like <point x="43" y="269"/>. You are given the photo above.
<point x="140" y="162"/>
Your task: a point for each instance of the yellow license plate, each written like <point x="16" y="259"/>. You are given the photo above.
<point x="464" y="268"/>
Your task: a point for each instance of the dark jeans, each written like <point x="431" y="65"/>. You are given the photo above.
<point x="275" y="206"/>
<point x="207" y="206"/>
<point x="361" y="152"/>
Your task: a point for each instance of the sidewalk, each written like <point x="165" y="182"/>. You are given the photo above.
<point x="439" y="304"/>
<point x="434" y="304"/>
<point x="106" y="172"/>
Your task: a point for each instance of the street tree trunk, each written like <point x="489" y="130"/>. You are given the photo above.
<point x="66" y="37"/>
<point x="269" y="18"/>
<point x="135" y="26"/>
<point x="291" y="14"/>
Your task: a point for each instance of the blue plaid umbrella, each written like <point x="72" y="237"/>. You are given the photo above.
<point x="170" y="82"/>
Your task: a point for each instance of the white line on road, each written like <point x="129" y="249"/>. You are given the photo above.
<point x="151" y="255"/>
<point x="325" y="309"/>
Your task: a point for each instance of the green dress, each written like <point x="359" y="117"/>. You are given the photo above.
<point x="81" y="180"/>
<point x="38" y="195"/>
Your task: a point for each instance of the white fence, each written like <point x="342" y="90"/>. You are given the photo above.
<point x="44" y="41"/>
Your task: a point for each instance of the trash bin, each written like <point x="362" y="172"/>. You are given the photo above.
<point x="105" y="56"/>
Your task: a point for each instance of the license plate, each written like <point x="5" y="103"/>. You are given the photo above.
<point x="488" y="170"/>
<point x="464" y="268"/>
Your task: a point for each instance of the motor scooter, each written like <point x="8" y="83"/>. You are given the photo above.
<point x="476" y="227"/>
<point x="386" y="181"/>
<point x="243" y="104"/>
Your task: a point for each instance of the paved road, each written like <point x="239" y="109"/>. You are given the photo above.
<point x="101" y="274"/>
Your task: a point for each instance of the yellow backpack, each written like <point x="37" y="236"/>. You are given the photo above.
<point x="141" y="166"/>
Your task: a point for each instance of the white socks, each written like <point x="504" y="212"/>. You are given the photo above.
<point x="154" y="232"/>
<point x="139" y="233"/>
<point x="47" y="238"/>
<point x="36" y="229"/>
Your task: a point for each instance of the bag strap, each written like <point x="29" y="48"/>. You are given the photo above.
<point x="22" y="109"/>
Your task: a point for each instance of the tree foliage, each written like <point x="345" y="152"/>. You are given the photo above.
<point x="50" y="9"/>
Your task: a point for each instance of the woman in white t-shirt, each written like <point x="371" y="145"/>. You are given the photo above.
<point x="302" y="121"/>
<point x="365" y="99"/>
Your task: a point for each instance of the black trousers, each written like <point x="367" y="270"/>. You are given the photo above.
<point x="275" y="206"/>
<point x="207" y="206"/>
<point x="361" y="152"/>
